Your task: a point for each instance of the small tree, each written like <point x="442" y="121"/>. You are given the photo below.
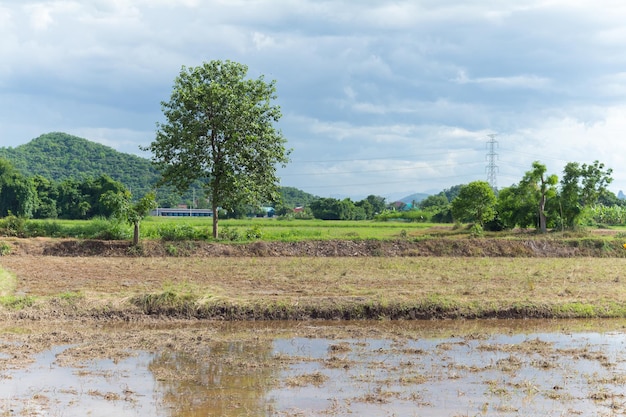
<point x="220" y="129"/>
<point x="124" y="209"/>
<point x="543" y="187"/>
<point x="475" y="203"/>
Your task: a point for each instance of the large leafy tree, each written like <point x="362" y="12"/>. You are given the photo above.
<point x="475" y="202"/>
<point x="220" y="129"/>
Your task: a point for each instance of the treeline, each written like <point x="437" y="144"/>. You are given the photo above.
<point x="540" y="200"/>
<point x="579" y="197"/>
<point x="40" y="198"/>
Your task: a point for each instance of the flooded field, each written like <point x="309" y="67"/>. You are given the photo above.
<point x="386" y="368"/>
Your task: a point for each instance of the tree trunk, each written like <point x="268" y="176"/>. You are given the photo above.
<point x="136" y="234"/>
<point x="214" y="208"/>
<point x="542" y="215"/>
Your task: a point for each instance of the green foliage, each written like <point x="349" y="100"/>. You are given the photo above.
<point x="107" y="229"/>
<point x="476" y="230"/>
<point x="84" y="199"/>
<point x="220" y="129"/>
<point x="177" y="232"/>
<point x="292" y="197"/>
<point x="44" y="228"/>
<point x="409" y="215"/>
<point x="5" y="249"/>
<point x="517" y="207"/>
<point x="330" y="209"/>
<point x="452" y="192"/>
<point x="612" y="216"/>
<point x="13" y="226"/>
<point x="475" y="203"/>
<point x="122" y="207"/>
<point x="71" y="297"/>
<point x="581" y="187"/>
<point x="542" y="187"/>
<point x="17" y="193"/>
<point x="346" y="209"/>
<point x="230" y="233"/>
<point x="434" y="203"/>
<point x="254" y="233"/>
<point x="15" y="302"/>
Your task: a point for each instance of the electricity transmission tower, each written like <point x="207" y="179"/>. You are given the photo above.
<point x="492" y="168"/>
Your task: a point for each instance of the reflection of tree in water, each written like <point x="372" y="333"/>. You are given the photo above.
<point x="226" y="379"/>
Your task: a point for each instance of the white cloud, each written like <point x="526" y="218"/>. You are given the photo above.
<point x="363" y="82"/>
<point x="40" y="16"/>
<point x="515" y="81"/>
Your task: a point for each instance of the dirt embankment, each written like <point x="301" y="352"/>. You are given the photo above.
<point x="481" y="247"/>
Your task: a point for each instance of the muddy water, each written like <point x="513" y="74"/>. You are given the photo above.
<point x="485" y="368"/>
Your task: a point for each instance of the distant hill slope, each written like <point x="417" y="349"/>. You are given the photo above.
<point x="59" y="156"/>
<point x="417" y="197"/>
<point x="293" y="197"/>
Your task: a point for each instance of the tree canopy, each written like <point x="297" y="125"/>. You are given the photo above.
<point x="220" y="129"/>
<point x="475" y="202"/>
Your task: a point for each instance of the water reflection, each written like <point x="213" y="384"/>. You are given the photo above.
<point x="547" y="368"/>
<point x="229" y="379"/>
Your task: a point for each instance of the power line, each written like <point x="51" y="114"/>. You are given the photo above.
<point x="309" y="174"/>
<point x="382" y="158"/>
<point x="465" y="176"/>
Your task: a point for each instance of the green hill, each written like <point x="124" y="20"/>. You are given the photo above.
<point x="59" y="156"/>
<point x="293" y="197"/>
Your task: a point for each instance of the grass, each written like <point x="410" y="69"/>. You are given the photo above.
<point x="274" y="229"/>
<point x="179" y="229"/>
<point x="329" y="288"/>
<point x="8" y="298"/>
<point x="8" y="283"/>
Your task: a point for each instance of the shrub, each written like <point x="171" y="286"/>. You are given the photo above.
<point x="228" y="233"/>
<point x="476" y="230"/>
<point x="105" y="229"/>
<point x="5" y="249"/>
<point x="173" y="232"/>
<point x="13" y="226"/>
<point x="44" y="228"/>
<point x="254" y="233"/>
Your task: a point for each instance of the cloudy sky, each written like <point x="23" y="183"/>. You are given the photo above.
<point x="378" y="97"/>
